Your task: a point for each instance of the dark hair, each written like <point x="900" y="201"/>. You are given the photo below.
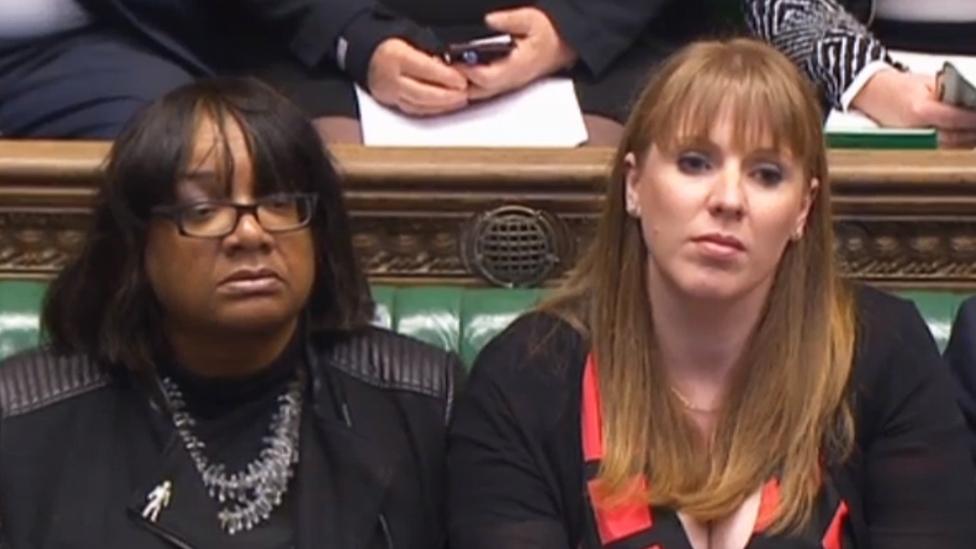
<point x="102" y="304"/>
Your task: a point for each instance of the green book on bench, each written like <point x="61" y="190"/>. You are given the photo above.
<point x="853" y="130"/>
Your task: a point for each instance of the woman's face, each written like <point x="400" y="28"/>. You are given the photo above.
<point x="249" y="280"/>
<point x="716" y="219"/>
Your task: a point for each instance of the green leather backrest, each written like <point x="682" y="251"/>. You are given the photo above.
<point x="19" y="306"/>
<point x="450" y="317"/>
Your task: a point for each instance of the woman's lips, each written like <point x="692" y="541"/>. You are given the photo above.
<point x="244" y="284"/>
<point x="719" y="246"/>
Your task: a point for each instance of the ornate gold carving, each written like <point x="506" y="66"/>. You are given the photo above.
<point x="413" y="247"/>
<point x="908" y="251"/>
<point x="36" y="243"/>
<point x="408" y="247"/>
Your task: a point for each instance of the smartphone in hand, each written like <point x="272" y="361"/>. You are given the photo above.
<point x="955" y="89"/>
<point x="479" y="51"/>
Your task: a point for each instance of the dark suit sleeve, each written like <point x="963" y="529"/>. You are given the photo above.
<point x="960" y="353"/>
<point x="920" y="485"/>
<point x="600" y="30"/>
<point x="342" y="31"/>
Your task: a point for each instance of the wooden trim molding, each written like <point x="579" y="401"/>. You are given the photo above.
<point x="904" y="218"/>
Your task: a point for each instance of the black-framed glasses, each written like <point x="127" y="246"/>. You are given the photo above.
<point x="276" y="213"/>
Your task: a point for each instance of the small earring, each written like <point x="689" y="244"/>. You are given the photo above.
<point x="633" y="210"/>
<point x="797" y="235"/>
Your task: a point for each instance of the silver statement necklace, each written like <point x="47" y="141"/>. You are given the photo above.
<point x="246" y="497"/>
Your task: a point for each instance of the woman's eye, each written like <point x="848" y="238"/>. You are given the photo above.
<point x="200" y="211"/>
<point x="693" y="163"/>
<point x="279" y="202"/>
<point x="768" y="175"/>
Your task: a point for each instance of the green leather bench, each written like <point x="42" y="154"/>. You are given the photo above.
<point x="450" y="317"/>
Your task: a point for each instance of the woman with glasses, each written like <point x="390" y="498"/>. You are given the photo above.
<point x="210" y="378"/>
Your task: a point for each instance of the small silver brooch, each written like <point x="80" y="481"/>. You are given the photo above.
<point x="157" y="500"/>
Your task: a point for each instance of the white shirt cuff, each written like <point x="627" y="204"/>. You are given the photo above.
<point x="860" y="80"/>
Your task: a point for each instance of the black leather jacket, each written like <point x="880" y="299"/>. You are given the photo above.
<point x="81" y="447"/>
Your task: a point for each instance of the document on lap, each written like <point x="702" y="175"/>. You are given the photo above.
<point x="545" y="113"/>
<point x="853" y="129"/>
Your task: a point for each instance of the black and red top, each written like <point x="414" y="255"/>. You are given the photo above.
<point x="525" y="444"/>
<point x="637" y="526"/>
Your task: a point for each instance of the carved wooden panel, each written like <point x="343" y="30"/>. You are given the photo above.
<point x="37" y="244"/>
<point x="904" y="218"/>
<point x="909" y="252"/>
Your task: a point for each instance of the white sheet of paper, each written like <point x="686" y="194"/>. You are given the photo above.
<point x="542" y="114"/>
<point x="929" y="63"/>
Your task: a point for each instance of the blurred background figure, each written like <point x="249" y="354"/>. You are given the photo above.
<point x="79" y="68"/>
<point x="843" y="46"/>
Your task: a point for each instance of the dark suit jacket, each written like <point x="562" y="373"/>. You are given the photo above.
<point x="618" y="41"/>
<point x="194" y="32"/>
<point x="207" y="35"/>
<point x="600" y="31"/>
<point x="961" y="356"/>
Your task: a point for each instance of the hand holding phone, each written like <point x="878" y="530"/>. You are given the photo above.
<point x="479" y="51"/>
<point x="414" y="81"/>
<point x="955" y="89"/>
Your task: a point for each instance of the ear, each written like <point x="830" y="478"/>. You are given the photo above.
<point x="631" y="181"/>
<point x="808" y="198"/>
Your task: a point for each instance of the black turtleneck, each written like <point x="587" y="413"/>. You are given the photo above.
<point x="232" y="417"/>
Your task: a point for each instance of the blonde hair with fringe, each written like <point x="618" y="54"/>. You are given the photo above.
<point x="787" y="413"/>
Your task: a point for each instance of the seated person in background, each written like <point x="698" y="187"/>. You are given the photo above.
<point x="607" y="47"/>
<point x="212" y="379"/>
<point x="852" y="65"/>
<point x="960" y="354"/>
<point x="705" y="378"/>
<point x="79" y="68"/>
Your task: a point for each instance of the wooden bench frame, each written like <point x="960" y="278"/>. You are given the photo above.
<point x="904" y="218"/>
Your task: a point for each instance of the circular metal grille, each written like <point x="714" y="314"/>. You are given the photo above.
<point x="513" y="246"/>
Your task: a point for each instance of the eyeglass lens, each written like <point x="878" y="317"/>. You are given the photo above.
<point x="273" y="214"/>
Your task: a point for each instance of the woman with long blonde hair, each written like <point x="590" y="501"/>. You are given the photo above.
<point x="705" y="379"/>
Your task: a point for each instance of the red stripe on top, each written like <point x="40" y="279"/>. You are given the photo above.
<point x="590" y="414"/>
<point x="834" y="538"/>
<point x="632" y="515"/>
<point x="622" y="519"/>
<point x="769" y="500"/>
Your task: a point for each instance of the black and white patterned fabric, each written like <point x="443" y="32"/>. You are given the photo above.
<point x="820" y="36"/>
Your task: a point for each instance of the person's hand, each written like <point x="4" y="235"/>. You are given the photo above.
<point x="413" y="81"/>
<point x="908" y="100"/>
<point x="538" y="51"/>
